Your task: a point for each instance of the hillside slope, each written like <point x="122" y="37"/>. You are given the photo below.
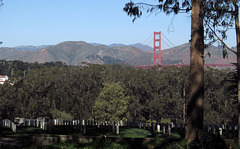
<point x="76" y="52"/>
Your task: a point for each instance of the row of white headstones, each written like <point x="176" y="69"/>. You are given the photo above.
<point x="81" y="125"/>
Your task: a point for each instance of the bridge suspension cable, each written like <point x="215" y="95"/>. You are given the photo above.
<point x="168" y="40"/>
<point x="149" y="42"/>
<point x="166" y="43"/>
<point x="134" y="53"/>
<point x="138" y="52"/>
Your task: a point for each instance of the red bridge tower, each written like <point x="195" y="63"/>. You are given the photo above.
<point x="157" y="48"/>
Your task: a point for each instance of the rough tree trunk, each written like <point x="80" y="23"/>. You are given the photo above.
<point x="196" y="75"/>
<point x="238" y="62"/>
<point x="184" y="104"/>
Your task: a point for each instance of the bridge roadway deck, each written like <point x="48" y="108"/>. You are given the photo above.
<point x="181" y="65"/>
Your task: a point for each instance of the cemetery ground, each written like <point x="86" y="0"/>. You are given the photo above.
<point x="68" y="137"/>
<point x="102" y="138"/>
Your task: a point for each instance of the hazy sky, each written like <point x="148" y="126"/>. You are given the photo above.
<point x="49" y="22"/>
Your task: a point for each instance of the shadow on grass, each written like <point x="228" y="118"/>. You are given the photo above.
<point x="21" y="131"/>
<point x="166" y="141"/>
<point x="130" y="138"/>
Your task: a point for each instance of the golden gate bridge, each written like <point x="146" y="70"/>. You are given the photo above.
<point x="157" y="55"/>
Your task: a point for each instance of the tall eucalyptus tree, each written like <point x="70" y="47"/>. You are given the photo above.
<point x="196" y="74"/>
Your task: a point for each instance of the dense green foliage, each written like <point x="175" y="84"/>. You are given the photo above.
<point x="20" y="69"/>
<point x="111" y="103"/>
<point x="72" y="91"/>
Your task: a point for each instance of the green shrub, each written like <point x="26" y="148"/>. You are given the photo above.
<point x="165" y="120"/>
<point x="57" y="114"/>
<point x="65" y="145"/>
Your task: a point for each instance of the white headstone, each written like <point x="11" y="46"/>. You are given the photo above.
<point x="158" y="128"/>
<point x="220" y="131"/>
<point x="164" y="130"/>
<point x="98" y="124"/>
<point x="209" y="128"/>
<point x="41" y="126"/>
<point x="117" y="130"/>
<point x="14" y="128"/>
<point x="172" y="125"/>
<point x="121" y="123"/>
<point x="84" y="129"/>
<point x="169" y="130"/>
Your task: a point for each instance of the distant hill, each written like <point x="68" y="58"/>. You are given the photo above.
<point x="29" y="47"/>
<point x="143" y="47"/>
<point x="181" y="55"/>
<point x="76" y="52"/>
<point x="116" y="45"/>
<point x="137" y="45"/>
<point x="6" y="52"/>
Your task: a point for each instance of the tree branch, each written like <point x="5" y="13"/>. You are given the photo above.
<point x="222" y="41"/>
<point x="157" y="6"/>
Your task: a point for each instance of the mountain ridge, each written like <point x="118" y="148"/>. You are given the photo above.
<point x="76" y="52"/>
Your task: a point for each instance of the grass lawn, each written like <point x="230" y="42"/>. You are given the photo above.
<point x="133" y="133"/>
<point x="68" y="130"/>
<point x="159" y="141"/>
<point x="140" y="135"/>
<point x="21" y="131"/>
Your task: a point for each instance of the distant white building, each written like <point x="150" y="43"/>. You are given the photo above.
<point x="3" y="79"/>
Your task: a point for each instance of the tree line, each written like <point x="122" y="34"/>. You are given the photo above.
<point x="91" y="91"/>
